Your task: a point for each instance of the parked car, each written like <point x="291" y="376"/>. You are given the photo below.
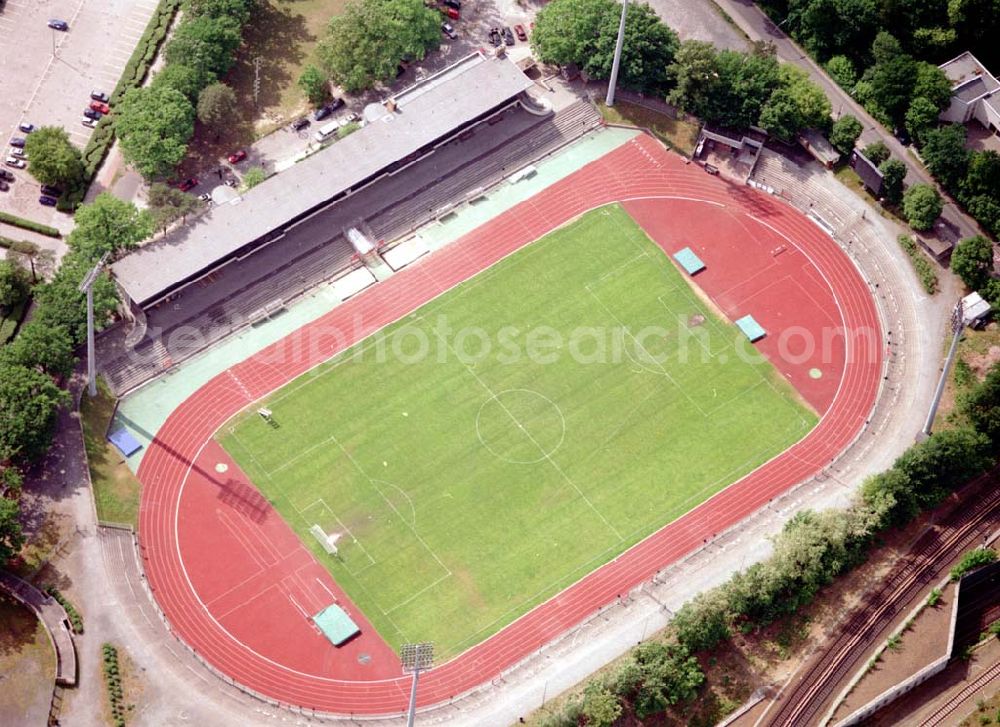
<point x="451" y="13"/>
<point x="99" y="96"/>
<point x="206" y="197"/>
<point x="508" y="36"/>
<point x="322" y="112"/>
<point x="232" y="182"/>
<point x="519" y="32"/>
<point x="51" y="191"/>
<point x="336" y="103"/>
<point x="91" y="114"/>
<point x="19" y="153"/>
<point x="4" y="174"/>
<point x="237" y="156"/>
<point x="18" y="142"/>
<point x="57" y="24"/>
<point x="26" y="127"/>
<point x="4" y="186"/>
<point x="449" y="30"/>
<point x="187" y="184"/>
<point x="495" y="38"/>
<point x="457" y="4"/>
<point x="300" y="124"/>
<point x="16" y="163"/>
<point x="100" y="106"/>
<point x="48" y="201"/>
<point x="90" y="123"/>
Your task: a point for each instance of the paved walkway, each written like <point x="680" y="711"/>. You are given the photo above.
<point x="53" y="617"/>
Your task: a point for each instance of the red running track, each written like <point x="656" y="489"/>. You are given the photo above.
<point x="176" y="528"/>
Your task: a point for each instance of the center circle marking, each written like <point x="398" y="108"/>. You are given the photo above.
<point x="520" y="426"/>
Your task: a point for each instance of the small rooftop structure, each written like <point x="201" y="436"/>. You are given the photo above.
<point x="973" y="92"/>
<point x="974" y="309"/>
<point x="422" y="117"/>
<point x="871" y="176"/>
<point x="822" y="150"/>
<point x="751" y="328"/>
<point x="336" y="625"/>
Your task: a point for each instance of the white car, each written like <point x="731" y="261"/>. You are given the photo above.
<point x="89" y="123"/>
<point x="19" y="153"/>
<point x="15" y="162"/>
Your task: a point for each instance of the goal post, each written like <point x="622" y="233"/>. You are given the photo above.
<point x="329" y="542"/>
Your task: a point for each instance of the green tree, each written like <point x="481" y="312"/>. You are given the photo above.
<point x="981" y="406"/>
<point x="314" y="84"/>
<point x="921" y="117"/>
<point x="703" y="622"/>
<point x="11" y="536"/>
<point x="217" y="106"/>
<point x="893" y="174"/>
<point x="238" y="10"/>
<point x="29" y="404"/>
<point x="54" y="160"/>
<point x="14" y="286"/>
<point x="933" y="85"/>
<point x="11" y="482"/>
<point x="253" y="176"/>
<point x="891" y="495"/>
<point x="108" y="224"/>
<point x="189" y="81"/>
<point x="973" y="559"/>
<point x="48" y="349"/>
<point x="982" y="176"/>
<point x="365" y="43"/>
<point x="922" y="205"/>
<point x="167" y="204"/>
<point x="892" y="76"/>
<point x="842" y="71"/>
<point x="986" y="209"/>
<point x="945" y="461"/>
<point x="153" y="127"/>
<point x="828" y="26"/>
<point x="206" y="44"/>
<point x="972" y="261"/>
<point x="945" y="154"/>
<point x="796" y="104"/>
<point x="844" y="134"/>
<point x="600" y="706"/>
<point x="60" y="302"/>
<point x="667" y="675"/>
<point x="876" y="152"/>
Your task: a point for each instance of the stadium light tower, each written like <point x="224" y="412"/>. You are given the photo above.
<point x="957" y="326"/>
<point x="87" y="286"/>
<point x="415" y="658"/>
<point x="610" y="100"/>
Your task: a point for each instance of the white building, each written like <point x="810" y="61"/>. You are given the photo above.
<point x="973" y="93"/>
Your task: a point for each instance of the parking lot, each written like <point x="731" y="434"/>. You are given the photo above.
<point x="48" y="75"/>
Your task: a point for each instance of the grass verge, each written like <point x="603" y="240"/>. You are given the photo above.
<point x="116" y="490"/>
<point x="921" y="265"/>
<point x="675" y="133"/>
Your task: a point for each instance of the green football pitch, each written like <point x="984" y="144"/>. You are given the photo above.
<point x="516" y="432"/>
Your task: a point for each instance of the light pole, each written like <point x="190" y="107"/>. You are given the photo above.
<point x="415" y="658"/>
<point x="87" y="286"/>
<point x="957" y="326"/>
<point x="610" y="100"/>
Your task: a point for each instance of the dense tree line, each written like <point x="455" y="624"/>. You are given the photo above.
<point x="154" y="123"/>
<point x="41" y="358"/>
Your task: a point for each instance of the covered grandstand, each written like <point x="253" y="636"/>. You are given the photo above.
<point x="415" y="123"/>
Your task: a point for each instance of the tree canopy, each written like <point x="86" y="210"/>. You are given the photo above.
<point x="314" y="84"/>
<point x="167" y="204"/>
<point x="796" y="104"/>
<point x="153" y="126"/>
<point x="205" y="43"/>
<point x="945" y="154"/>
<point x="922" y="205"/>
<point x="29" y="404"/>
<point x="42" y="347"/>
<point x="11" y="537"/>
<point x="189" y="81"/>
<point x="585" y="32"/>
<point x="108" y="224"/>
<point x="14" y="286"/>
<point x="217" y="106"/>
<point x="972" y="261"/>
<point x="844" y="133"/>
<point x="365" y="43"/>
<point x="893" y="174"/>
<point x="54" y="160"/>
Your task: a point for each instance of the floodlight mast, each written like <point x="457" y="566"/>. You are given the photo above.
<point x="613" y="81"/>
<point x="87" y="286"/>
<point x="957" y="326"/>
<point x="415" y="658"/>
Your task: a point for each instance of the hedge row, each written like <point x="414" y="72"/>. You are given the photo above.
<point x="132" y="77"/>
<point x="29" y="225"/>
<point x="113" y="681"/>
<point x="75" y="619"/>
<point x="921" y="265"/>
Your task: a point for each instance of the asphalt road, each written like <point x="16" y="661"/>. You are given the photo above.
<point x="758" y="26"/>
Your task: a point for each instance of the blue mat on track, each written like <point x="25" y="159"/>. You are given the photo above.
<point x="127" y="444"/>
<point x="689" y="261"/>
<point x="751" y="328"/>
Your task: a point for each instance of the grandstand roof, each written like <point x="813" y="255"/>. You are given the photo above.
<point x="423" y="113"/>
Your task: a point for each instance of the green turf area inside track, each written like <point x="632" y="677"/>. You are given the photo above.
<point x="466" y="486"/>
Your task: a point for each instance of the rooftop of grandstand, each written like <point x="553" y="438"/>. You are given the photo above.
<point x="422" y="114"/>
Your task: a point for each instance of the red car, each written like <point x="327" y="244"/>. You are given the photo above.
<point x="237" y="156"/>
<point x="519" y="32"/>
<point x="187" y="184"/>
<point x="100" y="107"/>
<point x="450" y="12"/>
